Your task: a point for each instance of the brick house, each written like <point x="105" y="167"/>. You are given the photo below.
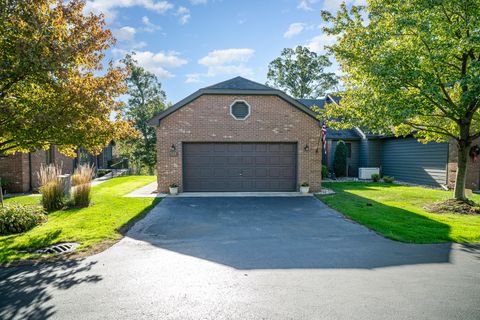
<point x="20" y="171"/>
<point x="238" y="135"/>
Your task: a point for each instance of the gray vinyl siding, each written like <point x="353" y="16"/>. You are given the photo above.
<point x="408" y="160"/>
<point x="353" y="162"/>
<point x="370" y="155"/>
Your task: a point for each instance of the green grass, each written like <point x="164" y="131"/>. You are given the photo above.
<point x="89" y="226"/>
<point x="397" y="212"/>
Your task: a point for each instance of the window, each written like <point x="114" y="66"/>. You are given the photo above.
<point x="240" y="110"/>
<point x="349" y="150"/>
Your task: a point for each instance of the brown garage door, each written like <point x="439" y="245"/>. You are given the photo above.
<point x="239" y="166"/>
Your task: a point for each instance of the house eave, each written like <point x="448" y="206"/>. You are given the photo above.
<point x="155" y="121"/>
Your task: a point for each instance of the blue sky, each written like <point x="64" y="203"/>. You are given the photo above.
<point x="191" y="44"/>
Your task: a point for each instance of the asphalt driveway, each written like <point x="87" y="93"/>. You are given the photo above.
<point x="250" y="258"/>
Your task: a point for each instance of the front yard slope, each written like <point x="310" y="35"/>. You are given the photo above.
<point x="398" y="212"/>
<point x="92" y="227"/>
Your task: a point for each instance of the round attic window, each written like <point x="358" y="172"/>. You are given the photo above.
<point x="240" y="110"/>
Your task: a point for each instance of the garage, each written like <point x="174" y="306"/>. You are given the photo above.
<point x="234" y="167"/>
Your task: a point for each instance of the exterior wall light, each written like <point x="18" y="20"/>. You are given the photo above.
<point x="306" y="148"/>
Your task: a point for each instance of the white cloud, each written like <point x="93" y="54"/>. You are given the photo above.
<point x="183" y="14"/>
<point x="108" y="7"/>
<point x="224" y="62"/>
<point x="192" y="77"/>
<point x="126" y="33"/>
<point x="149" y="26"/>
<point x="157" y="63"/>
<point x="307" y="4"/>
<point x="195" y="2"/>
<point x="221" y="57"/>
<point x="294" y="29"/>
<point x="126" y="36"/>
<point x="317" y="43"/>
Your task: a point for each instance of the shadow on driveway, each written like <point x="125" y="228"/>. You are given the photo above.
<point x="25" y="291"/>
<point x="275" y="233"/>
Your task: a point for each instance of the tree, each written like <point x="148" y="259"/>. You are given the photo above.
<point x="340" y="159"/>
<point x="301" y="73"/>
<point x="146" y="99"/>
<point x="413" y="67"/>
<point x="53" y="87"/>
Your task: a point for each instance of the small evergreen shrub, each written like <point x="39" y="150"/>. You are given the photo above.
<point x="16" y="218"/>
<point x="388" y="179"/>
<point x="82" y="185"/>
<point x="324" y="172"/>
<point x="375" y="177"/>
<point x="340" y="161"/>
<point x="51" y="187"/>
<point x="102" y="172"/>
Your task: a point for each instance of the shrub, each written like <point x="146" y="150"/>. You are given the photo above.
<point x="304" y="184"/>
<point x="82" y="185"/>
<point x="16" y="218"/>
<point x="340" y="161"/>
<point x="102" y="172"/>
<point x="388" y="179"/>
<point x="375" y="177"/>
<point x="324" y="172"/>
<point x="83" y="174"/>
<point x="51" y="187"/>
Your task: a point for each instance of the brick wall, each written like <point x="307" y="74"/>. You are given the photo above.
<point x="11" y="171"/>
<point x="473" y="167"/>
<point x="208" y="119"/>
<point x="15" y="168"/>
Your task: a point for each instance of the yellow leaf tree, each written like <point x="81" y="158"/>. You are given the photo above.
<point x="53" y="86"/>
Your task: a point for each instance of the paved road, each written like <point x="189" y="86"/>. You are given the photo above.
<point x="250" y="258"/>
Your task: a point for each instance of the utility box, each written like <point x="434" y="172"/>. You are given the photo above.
<point x="366" y="173"/>
<point x="66" y="181"/>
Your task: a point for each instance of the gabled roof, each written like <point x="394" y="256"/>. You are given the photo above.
<point x="331" y="133"/>
<point x="239" y="83"/>
<point x="235" y="86"/>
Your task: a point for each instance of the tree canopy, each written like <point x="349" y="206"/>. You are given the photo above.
<point x="53" y="86"/>
<point x="301" y="73"/>
<point x="145" y="99"/>
<point x="411" y="67"/>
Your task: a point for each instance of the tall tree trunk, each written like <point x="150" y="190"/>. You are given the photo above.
<point x="462" y="159"/>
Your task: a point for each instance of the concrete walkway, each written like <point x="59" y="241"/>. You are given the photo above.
<point x="250" y="258"/>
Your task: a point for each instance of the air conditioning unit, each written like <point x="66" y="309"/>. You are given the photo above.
<point x="366" y="173"/>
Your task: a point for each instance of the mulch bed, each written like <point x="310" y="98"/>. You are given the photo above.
<point x="467" y="207"/>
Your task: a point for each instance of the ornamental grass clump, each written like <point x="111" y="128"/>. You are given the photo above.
<point x="82" y="185"/>
<point x="51" y="187"/>
<point x="17" y="218"/>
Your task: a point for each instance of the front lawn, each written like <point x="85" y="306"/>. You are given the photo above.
<point x="397" y="212"/>
<point x="91" y="227"/>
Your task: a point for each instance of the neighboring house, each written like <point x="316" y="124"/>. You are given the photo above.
<point x="404" y="158"/>
<point x="238" y="135"/>
<point x="20" y="171"/>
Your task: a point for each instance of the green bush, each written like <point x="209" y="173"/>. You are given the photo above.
<point x="340" y="161"/>
<point x="102" y="172"/>
<point x="81" y="195"/>
<point x="324" y="172"/>
<point x="375" y="177"/>
<point x="16" y="218"/>
<point x="388" y="179"/>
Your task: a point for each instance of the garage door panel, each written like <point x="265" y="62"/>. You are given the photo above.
<point x="239" y="166"/>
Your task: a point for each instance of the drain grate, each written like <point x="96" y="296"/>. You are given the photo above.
<point x="58" y="248"/>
